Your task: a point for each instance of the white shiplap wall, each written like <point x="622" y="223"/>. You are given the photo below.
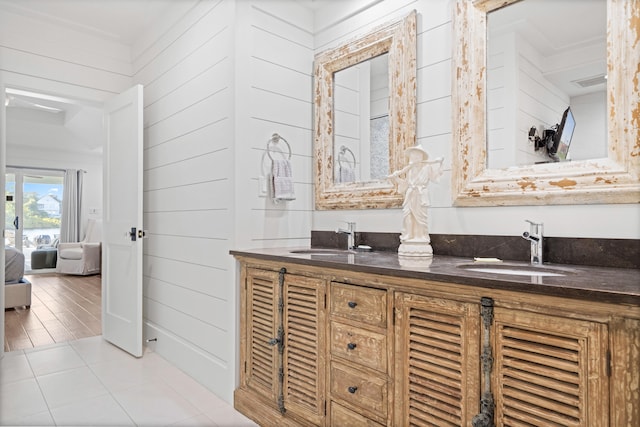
<point x="343" y="21"/>
<point x="538" y="100"/>
<point x="41" y="55"/>
<point x="218" y="82"/>
<point x="274" y="48"/>
<point x="220" y="77"/>
<point x="186" y="70"/>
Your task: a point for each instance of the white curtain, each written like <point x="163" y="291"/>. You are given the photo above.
<point x="70" y="228"/>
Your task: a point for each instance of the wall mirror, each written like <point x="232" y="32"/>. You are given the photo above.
<point x="505" y="84"/>
<point x="365" y="116"/>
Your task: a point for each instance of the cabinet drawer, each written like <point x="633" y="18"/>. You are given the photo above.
<point x="360" y="304"/>
<point x="359" y="388"/>
<point x="359" y="346"/>
<point x="341" y="416"/>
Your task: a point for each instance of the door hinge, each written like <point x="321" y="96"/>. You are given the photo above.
<point x="395" y="313"/>
<point x="487" y="406"/>
<point x="608" y="361"/>
<point x="325" y="408"/>
<point x="245" y="366"/>
<point x="325" y="301"/>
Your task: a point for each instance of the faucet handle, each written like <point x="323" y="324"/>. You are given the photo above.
<point x="351" y="225"/>
<point x="536" y="227"/>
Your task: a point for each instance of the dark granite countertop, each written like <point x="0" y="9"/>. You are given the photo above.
<point x="602" y="284"/>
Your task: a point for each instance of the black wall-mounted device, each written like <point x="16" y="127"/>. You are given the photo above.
<point x="555" y="140"/>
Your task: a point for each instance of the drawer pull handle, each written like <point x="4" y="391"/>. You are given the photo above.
<point x="352" y="389"/>
<point x="351" y="345"/>
<point x="352" y="304"/>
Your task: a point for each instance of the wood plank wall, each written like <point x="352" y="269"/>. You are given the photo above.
<point x="218" y="83"/>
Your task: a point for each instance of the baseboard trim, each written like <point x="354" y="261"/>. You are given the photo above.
<point x="206" y="370"/>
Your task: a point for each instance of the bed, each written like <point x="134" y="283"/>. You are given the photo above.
<point x="17" y="289"/>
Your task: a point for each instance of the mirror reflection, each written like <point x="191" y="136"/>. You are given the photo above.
<point x="361" y="106"/>
<point x="609" y="179"/>
<point x="546" y="82"/>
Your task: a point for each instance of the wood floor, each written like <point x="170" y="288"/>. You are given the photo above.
<point x="63" y="308"/>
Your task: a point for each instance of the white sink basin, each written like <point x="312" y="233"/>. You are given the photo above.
<point x="516" y="270"/>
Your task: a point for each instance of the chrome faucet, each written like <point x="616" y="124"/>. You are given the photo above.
<point x="534" y="235"/>
<point x="350" y="231"/>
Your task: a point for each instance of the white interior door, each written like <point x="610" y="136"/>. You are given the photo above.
<point x="122" y="222"/>
<point x="3" y="156"/>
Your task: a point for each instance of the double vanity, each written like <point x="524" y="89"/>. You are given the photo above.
<point x="332" y="337"/>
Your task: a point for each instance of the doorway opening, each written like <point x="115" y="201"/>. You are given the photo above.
<point x="120" y="131"/>
<point x="44" y="134"/>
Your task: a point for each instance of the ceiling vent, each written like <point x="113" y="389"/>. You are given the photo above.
<point x="592" y="81"/>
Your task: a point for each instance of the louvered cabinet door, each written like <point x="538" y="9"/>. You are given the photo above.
<point x="549" y="371"/>
<point x="437" y="361"/>
<point x="261" y="371"/>
<point x="304" y="353"/>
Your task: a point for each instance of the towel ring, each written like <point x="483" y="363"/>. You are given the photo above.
<point x="343" y="153"/>
<point x="274" y="140"/>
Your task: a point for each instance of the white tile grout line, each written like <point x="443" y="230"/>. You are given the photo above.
<point x="39" y="387"/>
<point x="109" y="391"/>
<point x="199" y="411"/>
<point x="162" y="381"/>
<point x="86" y="364"/>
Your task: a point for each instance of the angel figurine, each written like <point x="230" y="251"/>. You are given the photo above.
<point x="412" y="181"/>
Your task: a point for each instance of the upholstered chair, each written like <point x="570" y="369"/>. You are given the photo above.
<point x="82" y="258"/>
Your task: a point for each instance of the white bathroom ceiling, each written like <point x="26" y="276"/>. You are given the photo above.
<point x="119" y="20"/>
<point x="568" y="35"/>
<point x="73" y="126"/>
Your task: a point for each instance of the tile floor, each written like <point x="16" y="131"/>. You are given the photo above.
<point x="89" y="382"/>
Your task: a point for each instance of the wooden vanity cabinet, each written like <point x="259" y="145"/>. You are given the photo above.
<point x="359" y="378"/>
<point x="550" y="370"/>
<point x="549" y="361"/>
<point x="261" y="357"/>
<point x="282" y="348"/>
<point x="371" y="350"/>
<point x="437" y="346"/>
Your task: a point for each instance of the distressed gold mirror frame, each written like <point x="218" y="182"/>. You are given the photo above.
<point x="614" y="179"/>
<point x="398" y="38"/>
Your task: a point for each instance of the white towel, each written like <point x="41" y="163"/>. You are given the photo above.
<point x="282" y="180"/>
<point x="347" y="174"/>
